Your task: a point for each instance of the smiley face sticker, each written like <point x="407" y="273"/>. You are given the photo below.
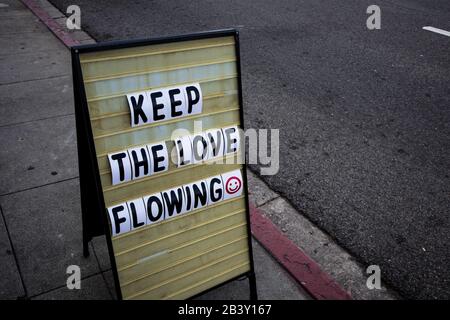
<point x="233" y="184"/>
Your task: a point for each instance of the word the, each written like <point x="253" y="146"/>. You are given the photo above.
<point x="164" y="104"/>
<point x="138" y="162"/>
<point x="164" y="205"/>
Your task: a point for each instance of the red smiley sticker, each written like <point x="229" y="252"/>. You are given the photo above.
<point x="233" y="185"/>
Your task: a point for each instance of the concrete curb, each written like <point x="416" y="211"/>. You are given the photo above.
<point x="300" y="266"/>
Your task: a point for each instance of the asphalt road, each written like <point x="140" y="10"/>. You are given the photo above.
<point x="364" y="115"/>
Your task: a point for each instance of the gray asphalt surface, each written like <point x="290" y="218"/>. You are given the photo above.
<point x="364" y="115"/>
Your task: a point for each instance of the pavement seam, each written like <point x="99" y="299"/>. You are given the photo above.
<point x="63" y="286"/>
<point x="36" y="187"/>
<point x="36" y="79"/>
<point x="17" y="33"/>
<point x="13" y="250"/>
<point x="111" y="294"/>
<point x="35" y="120"/>
<point x="267" y="201"/>
<point x="101" y="270"/>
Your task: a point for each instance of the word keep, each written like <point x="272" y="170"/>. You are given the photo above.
<point x="143" y="161"/>
<point x="164" y="104"/>
<point x="167" y="204"/>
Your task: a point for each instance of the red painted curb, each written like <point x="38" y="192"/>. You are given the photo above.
<point x="304" y="270"/>
<point x="54" y="27"/>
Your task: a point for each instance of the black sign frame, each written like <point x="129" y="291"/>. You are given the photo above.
<point x="94" y="223"/>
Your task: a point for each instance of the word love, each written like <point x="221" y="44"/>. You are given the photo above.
<point x="167" y="204"/>
<point x="143" y="161"/>
<point x="164" y="104"/>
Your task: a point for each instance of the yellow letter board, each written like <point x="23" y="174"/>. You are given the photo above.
<point x="189" y="253"/>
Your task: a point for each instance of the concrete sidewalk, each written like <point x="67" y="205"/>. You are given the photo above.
<point x="40" y="225"/>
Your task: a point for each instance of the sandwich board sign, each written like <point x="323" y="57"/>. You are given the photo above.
<point x="173" y="208"/>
